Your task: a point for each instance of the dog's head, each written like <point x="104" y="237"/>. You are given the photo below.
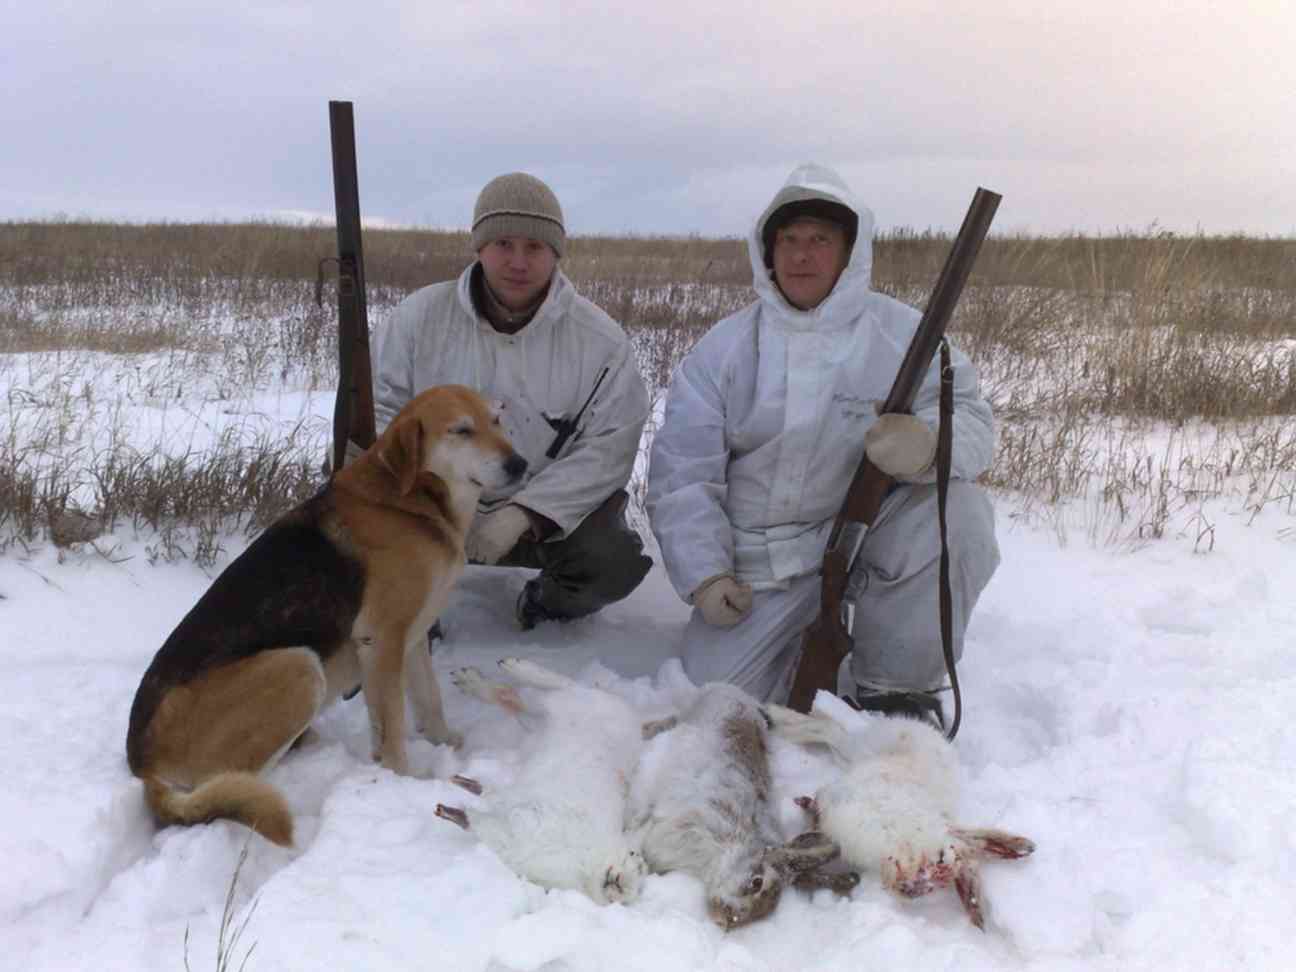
<point x="454" y="434"/>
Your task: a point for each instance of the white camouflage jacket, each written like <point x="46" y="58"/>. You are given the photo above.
<point x="544" y="372"/>
<point x="765" y="417"/>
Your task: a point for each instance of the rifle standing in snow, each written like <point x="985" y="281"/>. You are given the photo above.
<point x="827" y="641"/>
<point x="353" y="412"/>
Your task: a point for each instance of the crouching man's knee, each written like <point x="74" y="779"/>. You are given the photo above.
<point x="606" y="552"/>
<point x="599" y="562"/>
<point x="970" y="523"/>
<point x="905" y="541"/>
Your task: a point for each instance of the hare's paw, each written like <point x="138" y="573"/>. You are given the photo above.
<point x="623" y="880"/>
<point x="474" y="683"/>
<point x="469" y="680"/>
<point x="455" y="815"/>
<point x="533" y="674"/>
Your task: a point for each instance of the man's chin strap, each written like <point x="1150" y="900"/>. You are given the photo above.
<point x="944" y="449"/>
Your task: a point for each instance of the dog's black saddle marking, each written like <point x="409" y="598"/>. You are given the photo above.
<point x="291" y="587"/>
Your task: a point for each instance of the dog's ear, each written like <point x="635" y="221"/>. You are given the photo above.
<point x="405" y="454"/>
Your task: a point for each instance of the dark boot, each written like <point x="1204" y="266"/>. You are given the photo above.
<point x="924" y="706"/>
<point x="529" y="611"/>
<point x="599" y="562"/>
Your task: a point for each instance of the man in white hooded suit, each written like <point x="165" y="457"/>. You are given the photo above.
<point x="766" y="419"/>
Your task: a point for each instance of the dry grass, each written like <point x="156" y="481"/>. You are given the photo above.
<point x="229" y="936"/>
<point x="1137" y="375"/>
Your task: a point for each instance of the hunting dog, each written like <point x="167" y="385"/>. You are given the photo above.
<point x="339" y="591"/>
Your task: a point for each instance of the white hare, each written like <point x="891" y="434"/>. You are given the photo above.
<point x="892" y="810"/>
<point x="560" y="822"/>
<point x="699" y="803"/>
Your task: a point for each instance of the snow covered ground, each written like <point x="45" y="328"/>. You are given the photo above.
<point x="1128" y="710"/>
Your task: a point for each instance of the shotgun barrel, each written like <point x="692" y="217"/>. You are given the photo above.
<point x="353" y="410"/>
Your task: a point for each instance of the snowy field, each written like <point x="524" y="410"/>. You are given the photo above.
<point x="1128" y="710"/>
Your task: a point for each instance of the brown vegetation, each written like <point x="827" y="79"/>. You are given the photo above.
<point x="1143" y="371"/>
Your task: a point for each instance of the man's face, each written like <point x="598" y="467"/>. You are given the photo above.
<point x="517" y="268"/>
<point x="809" y="256"/>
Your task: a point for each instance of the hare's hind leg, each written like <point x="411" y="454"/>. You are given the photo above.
<point x="798" y="727"/>
<point x="989" y="842"/>
<point x="474" y="683"/>
<point x="537" y="676"/>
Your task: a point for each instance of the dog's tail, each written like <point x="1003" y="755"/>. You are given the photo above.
<point x="244" y="797"/>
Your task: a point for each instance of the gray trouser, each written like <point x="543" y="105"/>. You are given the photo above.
<point x="599" y="562"/>
<point x="895" y="584"/>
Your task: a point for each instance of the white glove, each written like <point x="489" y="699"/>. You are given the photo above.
<point x="492" y="535"/>
<point x="723" y="601"/>
<point x="901" y="445"/>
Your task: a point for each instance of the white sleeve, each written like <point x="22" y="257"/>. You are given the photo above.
<point x="393" y="360"/>
<point x="687" y="477"/>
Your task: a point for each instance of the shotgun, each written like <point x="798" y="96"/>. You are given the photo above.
<point x="827" y="641"/>
<point x="353" y="411"/>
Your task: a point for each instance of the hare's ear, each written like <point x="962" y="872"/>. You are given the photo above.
<point x="803" y="853"/>
<point x="405" y="454"/>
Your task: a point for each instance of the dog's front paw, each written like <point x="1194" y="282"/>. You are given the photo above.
<point x="396" y="762"/>
<point x="443" y="736"/>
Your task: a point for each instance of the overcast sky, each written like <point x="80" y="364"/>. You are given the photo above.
<point x="678" y="117"/>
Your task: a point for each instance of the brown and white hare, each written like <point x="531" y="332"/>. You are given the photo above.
<point x="699" y="803"/>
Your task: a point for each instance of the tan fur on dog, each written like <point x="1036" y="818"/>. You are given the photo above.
<point x="340" y="590"/>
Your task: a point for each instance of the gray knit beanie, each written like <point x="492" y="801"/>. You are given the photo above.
<point x="518" y="204"/>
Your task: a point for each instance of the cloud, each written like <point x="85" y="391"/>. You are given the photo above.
<point x="661" y="120"/>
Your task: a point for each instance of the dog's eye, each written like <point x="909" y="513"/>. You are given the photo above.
<point x="463" y="430"/>
<point x="755" y="884"/>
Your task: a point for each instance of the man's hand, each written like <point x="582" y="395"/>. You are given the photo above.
<point x="901" y="445"/>
<point x="492" y="535"/>
<point x="723" y="601"/>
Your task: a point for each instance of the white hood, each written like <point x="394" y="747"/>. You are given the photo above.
<point x="811" y="181"/>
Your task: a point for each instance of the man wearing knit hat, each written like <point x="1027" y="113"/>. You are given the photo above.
<point x="761" y="436"/>
<point x="573" y="403"/>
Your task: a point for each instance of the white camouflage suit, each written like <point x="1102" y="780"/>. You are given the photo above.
<point x="545" y="371"/>
<point x="764" y="426"/>
<point x="569" y="354"/>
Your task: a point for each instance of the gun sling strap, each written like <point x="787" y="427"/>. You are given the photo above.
<point x="925" y="701"/>
<point x="944" y="447"/>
